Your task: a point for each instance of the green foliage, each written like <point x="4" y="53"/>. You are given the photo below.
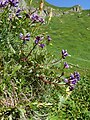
<point x="77" y="106"/>
<point x="73" y="35"/>
<point x="31" y="79"/>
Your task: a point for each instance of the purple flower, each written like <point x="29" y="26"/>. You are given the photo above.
<point x="3" y="3"/>
<point x="28" y="35"/>
<point x="41" y="20"/>
<point x="49" y="38"/>
<point x="25" y="38"/>
<point x="72" y="80"/>
<point x="38" y="38"/>
<point x="71" y="88"/>
<point x="66" y="65"/>
<point x="42" y="45"/>
<point x="64" y="54"/>
<point x="74" y="77"/>
<point x="36" y="41"/>
<point x="71" y="76"/>
<point x="66" y="80"/>
<point x="36" y="18"/>
<point x="18" y="13"/>
<point x="77" y="75"/>
<point x="13" y="3"/>
<point x="21" y="35"/>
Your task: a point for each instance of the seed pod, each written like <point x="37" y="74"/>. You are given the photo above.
<point x="50" y="15"/>
<point x="41" y="5"/>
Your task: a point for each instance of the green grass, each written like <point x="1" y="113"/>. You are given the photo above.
<point x="72" y="33"/>
<point x="77" y="107"/>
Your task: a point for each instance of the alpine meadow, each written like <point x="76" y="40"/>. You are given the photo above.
<point x="44" y="61"/>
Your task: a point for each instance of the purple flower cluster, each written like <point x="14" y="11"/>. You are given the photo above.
<point x="3" y="3"/>
<point x="13" y="3"/>
<point x="25" y="38"/>
<point x="64" y="54"/>
<point x="36" y="19"/>
<point x="38" y="39"/>
<point x="72" y="80"/>
<point x="18" y="13"/>
<point x="42" y="45"/>
<point x="49" y="38"/>
<point x="66" y="65"/>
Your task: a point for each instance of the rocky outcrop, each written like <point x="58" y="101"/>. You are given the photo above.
<point x="76" y="8"/>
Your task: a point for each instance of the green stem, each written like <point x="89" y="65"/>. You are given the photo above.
<point x="30" y="51"/>
<point x="49" y="82"/>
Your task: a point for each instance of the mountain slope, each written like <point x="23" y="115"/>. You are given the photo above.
<point x="70" y="30"/>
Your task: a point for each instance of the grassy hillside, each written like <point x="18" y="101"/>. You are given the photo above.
<point x="70" y="31"/>
<point x="31" y="87"/>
